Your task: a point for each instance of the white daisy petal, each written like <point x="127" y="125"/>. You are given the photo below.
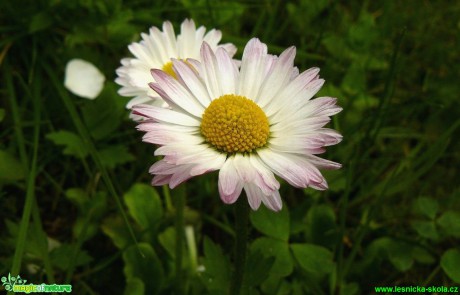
<point x="178" y="94"/>
<point x="138" y="100"/>
<point x="157" y="45"/>
<point x="83" y="79"/>
<point x="165" y="115"/>
<point x="300" y="100"/>
<point x="244" y="169"/>
<point x="232" y="197"/>
<point x="230" y="48"/>
<point x="182" y="174"/>
<point x="279" y="76"/>
<point x="323" y="163"/>
<point x="265" y="179"/>
<point x="273" y="201"/>
<point x="211" y="73"/>
<point x="291" y="91"/>
<point x="228" y="70"/>
<point x="199" y="35"/>
<point x="170" y="39"/>
<point x="253" y="64"/>
<point x="161" y="180"/>
<point x="292" y="168"/>
<point x="213" y="37"/>
<point x="254" y="195"/>
<point x="229" y="184"/>
<point x="228" y="177"/>
<point x="187" y="76"/>
<point x="186" y="39"/>
<point x="177" y="150"/>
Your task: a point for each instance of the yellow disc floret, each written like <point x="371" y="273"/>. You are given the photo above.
<point x="168" y="68"/>
<point x="235" y="124"/>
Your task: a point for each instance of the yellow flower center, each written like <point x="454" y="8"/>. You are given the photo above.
<point x="168" y="68"/>
<point x="233" y="123"/>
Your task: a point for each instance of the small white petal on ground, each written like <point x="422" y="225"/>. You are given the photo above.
<point x="82" y="78"/>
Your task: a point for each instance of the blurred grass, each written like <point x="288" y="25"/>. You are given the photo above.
<point x="400" y="125"/>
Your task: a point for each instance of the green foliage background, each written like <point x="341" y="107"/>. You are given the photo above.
<point x="72" y="170"/>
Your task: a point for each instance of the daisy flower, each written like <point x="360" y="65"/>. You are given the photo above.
<point x="250" y="124"/>
<point x="155" y="51"/>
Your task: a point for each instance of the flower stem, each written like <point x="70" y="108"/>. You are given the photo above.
<point x="241" y="228"/>
<point x="179" y="197"/>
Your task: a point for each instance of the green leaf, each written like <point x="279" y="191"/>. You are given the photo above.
<point x="34" y="246"/>
<point x="90" y="211"/>
<point x="83" y="226"/>
<point x="350" y="289"/>
<point x="427" y="206"/>
<point x="116" y="229"/>
<point x="216" y="276"/>
<point x="115" y="155"/>
<point x="2" y="114"/>
<point x="364" y="102"/>
<point x="10" y="168"/>
<point x="400" y="255"/>
<point x="144" y="205"/>
<point x="354" y="81"/>
<point x="272" y="224"/>
<point x="450" y="263"/>
<point x="257" y="268"/>
<point x="306" y="11"/>
<point x="73" y="144"/>
<point x="336" y="46"/>
<point x="313" y="258"/>
<point x="276" y="285"/>
<point x="321" y="226"/>
<point x="119" y="29"/>
<point x="423" y="256"/>
<point x="426" y="229"/>
<point x="231" y="11"/>
<point x="146" y="267"/>
<point x="64" y="254"/>
<point x="283" y="264"/>
<point x="40" y="21"/>
<point x="134" y="286"/>
<point x="362" y="33"/>
<point x="168" y="240"/>
<point x="450" y="223"/>
<point x="78" y="197"/>
<point x="103" y="115"/>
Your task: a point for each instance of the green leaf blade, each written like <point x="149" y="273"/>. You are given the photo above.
<point x="313" y="258"/>
<point x="272" y="224"/>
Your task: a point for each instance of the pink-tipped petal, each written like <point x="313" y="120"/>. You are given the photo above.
<point x="228" y="71"/>
<point x="253" y="195"/>
<point x="177" y="93"/>
<point x="228" y="177"/>
<point x="253" y="66"/>
<point x="211" y="71"/>
<point x="189" y="77"/>
<point x="278" y="78"/>
<point x="273" y="201"/>
<point x="161" y="180"/>
<point x="165" y="115"/>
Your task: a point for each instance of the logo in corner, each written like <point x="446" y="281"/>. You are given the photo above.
<point x="11" y="281"/>
<point x="18" y="284"/>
